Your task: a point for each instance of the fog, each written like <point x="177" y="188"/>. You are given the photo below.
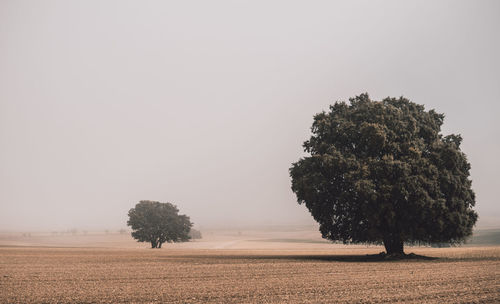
<point x="206" y="104"/>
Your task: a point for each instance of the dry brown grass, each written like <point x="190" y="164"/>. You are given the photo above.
<point x="129" y="275"/>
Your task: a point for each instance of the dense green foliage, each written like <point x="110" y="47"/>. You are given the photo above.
<point x="381" y="172"/>
<point x="158" y="223"/>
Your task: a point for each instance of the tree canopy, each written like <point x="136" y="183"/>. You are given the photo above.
<point x="158" y="223"/>
<point x="381" y="172"/>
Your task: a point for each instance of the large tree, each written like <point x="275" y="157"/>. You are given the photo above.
<point x="381" y="172"/>
<point x="158" y="223"/>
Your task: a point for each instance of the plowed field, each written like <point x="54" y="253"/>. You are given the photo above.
<point x="139" y="275"/>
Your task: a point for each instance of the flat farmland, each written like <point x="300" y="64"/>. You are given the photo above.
<point x="294" y="266"/>
<point x="111" y="275"/>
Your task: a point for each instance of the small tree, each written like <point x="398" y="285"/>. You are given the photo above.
<point x="195" y="234"/>
<point x="381" y="172"/>
<point x="158" y="223"/>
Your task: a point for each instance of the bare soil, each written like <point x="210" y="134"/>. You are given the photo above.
<point x="289" y="272"/>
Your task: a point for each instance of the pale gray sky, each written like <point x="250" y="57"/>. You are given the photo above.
<point x="206" y="103"/>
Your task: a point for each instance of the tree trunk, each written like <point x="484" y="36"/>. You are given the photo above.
<point x="393" y="245"/>
<point x="153" y="244"/>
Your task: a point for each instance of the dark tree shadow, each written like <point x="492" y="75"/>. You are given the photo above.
<point x="381" y="257"/>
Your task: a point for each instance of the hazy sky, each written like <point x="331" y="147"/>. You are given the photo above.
<point x="206" y="103"/>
